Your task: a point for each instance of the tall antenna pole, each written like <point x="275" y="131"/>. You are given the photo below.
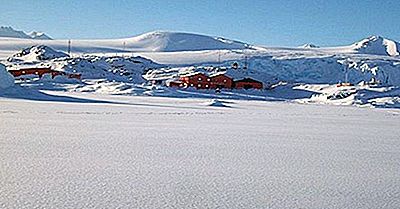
<point x="69" y="47"/>
<point x="219" y="56"/>
<point x="245" y="62"/>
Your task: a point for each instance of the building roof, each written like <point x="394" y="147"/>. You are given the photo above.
<point x="247" y="79"/>
<point x="219" y="74"/>
<point x="192" y="74"/>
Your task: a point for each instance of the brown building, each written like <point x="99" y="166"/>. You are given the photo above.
<point x="248" y="83"/>
<point x="197" y="80"/>
<point x="221" y="81"/>
<point x="40" y="71"/>
<point x="216" y="81"/>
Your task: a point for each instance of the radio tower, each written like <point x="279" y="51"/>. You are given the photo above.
<point x="69" y="47"/>
<point x="245" y="62"/>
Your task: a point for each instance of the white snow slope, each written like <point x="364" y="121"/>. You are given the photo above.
<point x="183" y="153"/>
<point x="378" y="45"/>
<point x="6" y="79"/>
<point x="38" y="53"/>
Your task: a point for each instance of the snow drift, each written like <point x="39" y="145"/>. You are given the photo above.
<point x="6" y="79"/>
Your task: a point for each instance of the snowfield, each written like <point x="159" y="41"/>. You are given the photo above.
<point x="101" y="151"/>
<point x="119" y="138"/>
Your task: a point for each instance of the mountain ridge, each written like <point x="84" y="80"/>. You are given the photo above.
<point x="10" y="32"/>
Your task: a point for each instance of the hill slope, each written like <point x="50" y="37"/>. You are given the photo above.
<point x="377" y="45"/>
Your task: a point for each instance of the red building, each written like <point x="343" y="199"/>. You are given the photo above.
<point x="197" y="80"/>
<point x="216" y="81"/>
<point x="40" y="71"/>
<point x="248" y="83"/>
<point x="220" y="81"/>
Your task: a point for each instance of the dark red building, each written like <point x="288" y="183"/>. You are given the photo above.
<point x="40" y="71"/>
<point x="248" y="83"/>
<point x="197" y="80"/>
<point x="216" y="81"/>
<point x="220" y="81"/>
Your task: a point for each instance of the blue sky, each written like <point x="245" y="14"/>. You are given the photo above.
<point x="266" y="22"/>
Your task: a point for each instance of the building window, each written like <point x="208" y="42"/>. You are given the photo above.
<point x="199" y="79"/>
<point x="206" y="86"/>
<point x="199" y="85"/>
<point x="208" y="79"/>
<point x="191" y="84"/>
<point x="225" y="81"/>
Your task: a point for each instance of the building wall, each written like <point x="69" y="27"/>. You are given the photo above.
<point x="199" y="81"/>
<point x="248" y="85"/>
<point x="31" y="71"/>
<point x="221" y="81"/>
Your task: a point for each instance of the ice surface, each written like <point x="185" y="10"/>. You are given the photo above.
<point x="149" y="152"/>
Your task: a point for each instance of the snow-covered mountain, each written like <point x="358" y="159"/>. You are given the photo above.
<point x="10" y="32"/>
<point x="38" y="53"/>
<point x="309" y="46"/>
<point x="39" y="35"/>
<point x="7" y="31"/>
<point x="377" y="45"/>
<point x="177" y="41"/>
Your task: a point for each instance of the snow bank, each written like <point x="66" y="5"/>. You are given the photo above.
<point x="359" y="95"/>
<point x="217" y="103"/>
<point x="6" y="79"/>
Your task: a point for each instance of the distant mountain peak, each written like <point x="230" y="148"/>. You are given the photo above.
<point x="10" y="32"/>
<point x="309" y="46"/>
<point x="39" y="35"/>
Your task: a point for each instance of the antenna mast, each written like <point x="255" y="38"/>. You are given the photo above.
<point x="245" y="62"/>
<point x="69" y="47"/>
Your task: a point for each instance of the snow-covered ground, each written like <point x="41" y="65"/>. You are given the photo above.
<point x="116" y="140"/>
<point x="100" y="151"/>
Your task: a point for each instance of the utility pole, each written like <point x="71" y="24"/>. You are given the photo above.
<point x="245" y="62"/>
<point x="219" y="56"/>
<point x="69" y="47"/>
